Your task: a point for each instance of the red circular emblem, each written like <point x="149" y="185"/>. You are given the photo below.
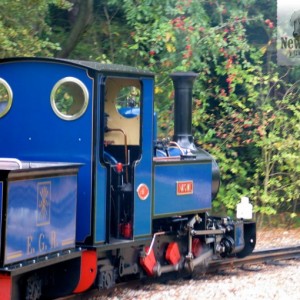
<point x="143" y="191"/>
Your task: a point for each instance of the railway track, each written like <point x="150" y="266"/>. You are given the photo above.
<point x="261" y="256"/>
<point x="268" y="256"/>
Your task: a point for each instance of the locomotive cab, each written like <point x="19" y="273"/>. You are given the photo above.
<point x="122" y="150"/>
<point x="85" y="112"/>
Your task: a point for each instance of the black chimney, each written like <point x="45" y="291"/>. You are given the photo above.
<point x="183" y="85"/>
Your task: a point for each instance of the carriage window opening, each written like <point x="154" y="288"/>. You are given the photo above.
<point x="128" y="101"/>
<point x="5" y="97"/>
<point x="69" y="98"/>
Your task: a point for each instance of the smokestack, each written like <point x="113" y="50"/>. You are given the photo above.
<point x="183" y="85"/>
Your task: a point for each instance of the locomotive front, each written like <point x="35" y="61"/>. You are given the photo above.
<point x="186" y="180"/>
<point x="195" y="171"/>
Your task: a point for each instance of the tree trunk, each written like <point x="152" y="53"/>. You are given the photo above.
<point x="82" y="19"/>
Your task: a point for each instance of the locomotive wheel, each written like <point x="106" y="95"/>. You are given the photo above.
<point x="33" y="288"/>
<point x="106" y="280"/>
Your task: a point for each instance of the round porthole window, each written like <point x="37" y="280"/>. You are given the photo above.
<point x="5" y="97"/>
<point x="69" y="98"/>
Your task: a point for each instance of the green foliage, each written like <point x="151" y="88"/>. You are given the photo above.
<point x="23" y="28"/>
<point x="3" y="93"/>
<point x="277" y="168"/>
<point x="243" y="113"/>
<point x="63" y="99"/>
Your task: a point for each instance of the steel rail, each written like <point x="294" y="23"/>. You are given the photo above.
<point x="258" y="256"/>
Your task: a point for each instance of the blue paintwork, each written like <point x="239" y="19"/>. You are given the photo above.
<point x="100" y="204"/>
<point x="143" y="170"/>
<point x="166" y="200"/>
<point x="41" y="217"/>
<point x="129" y="112"/>
<point x="100" y="178"/>
<point x="32" y="131"/>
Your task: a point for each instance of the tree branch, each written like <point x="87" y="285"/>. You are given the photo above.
<point x="83" y="19"/>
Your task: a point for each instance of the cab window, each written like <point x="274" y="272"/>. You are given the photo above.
<point x="69" y="98"/>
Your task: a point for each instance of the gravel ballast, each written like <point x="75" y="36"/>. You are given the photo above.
<point x="274" y="281"/>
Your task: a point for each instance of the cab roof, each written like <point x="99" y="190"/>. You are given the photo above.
<point x="91" y="65"/>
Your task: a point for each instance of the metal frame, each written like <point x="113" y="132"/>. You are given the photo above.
<point x="83" y="107"/>
<point x="10" y="97"/>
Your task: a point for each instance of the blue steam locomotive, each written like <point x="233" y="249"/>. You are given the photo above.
<point x="88" y="195"/>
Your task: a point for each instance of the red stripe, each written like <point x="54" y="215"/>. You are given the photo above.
<point x="5" y="287"/>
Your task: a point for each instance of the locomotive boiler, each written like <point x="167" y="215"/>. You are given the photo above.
<point x="88" y="195"/>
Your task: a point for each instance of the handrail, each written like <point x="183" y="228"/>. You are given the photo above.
<point x="12" y="160"/>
